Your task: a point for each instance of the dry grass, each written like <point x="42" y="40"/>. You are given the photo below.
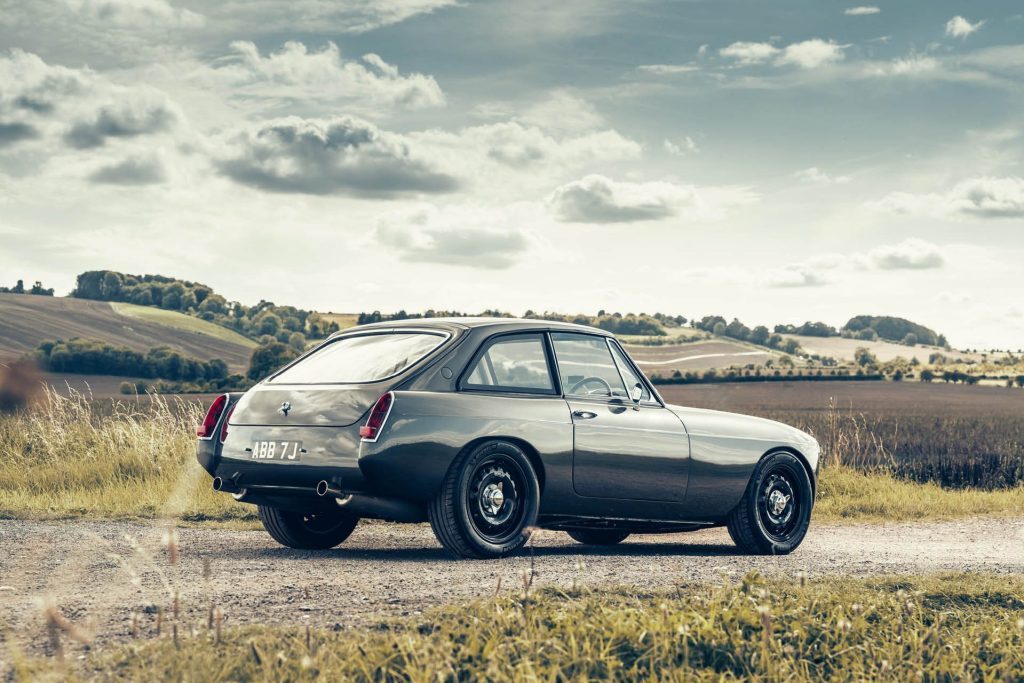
<point x="65" y="457"/>
<point x="71" y="457"/>
<point x="961" y="627"/>
<point x="847" y="495"/>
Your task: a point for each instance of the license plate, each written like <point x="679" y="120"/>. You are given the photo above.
<point x="276" y="450"/>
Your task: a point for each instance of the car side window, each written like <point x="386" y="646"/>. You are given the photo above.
<point x="631" y="377"/>
<point x="516" y="363"/>
<point x="586" y="366"/>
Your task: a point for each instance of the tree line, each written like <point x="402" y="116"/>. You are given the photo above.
<point x="635" y="324"/>
<point x="285" y="324"/>
<point x="36" y="288"/>
<point x="92" y="357"/>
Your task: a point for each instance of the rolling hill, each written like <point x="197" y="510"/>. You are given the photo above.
<point x="26" y="320"/>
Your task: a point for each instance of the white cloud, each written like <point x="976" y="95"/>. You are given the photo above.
<point x="136" y="170"/>
<point x="795" y="275"/>
<point x="816" y="176"/>
<point x="460" y="235"/>
<point x="983" y="197"/>
<point x="560" y="110"/>
<point x="685" y="147"/>
<point x="136" y="13"/>
<point x="668" y="69"/>
<point x="861" y="11"/>
<point x="911" y="254"/>
<point x="297" y="74"/>
<point x="749" y="53"/>
<point x="958" y="27"/>
<point x="914" y="65"/>
<point x="811" y="54"/>
<point x="807" y="54"/>
<point x="342" y="155"/>
<point x="598" y="199"/>
<point x="513" y="145"/>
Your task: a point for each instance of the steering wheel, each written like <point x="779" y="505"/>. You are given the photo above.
<point x="591" y="380"/>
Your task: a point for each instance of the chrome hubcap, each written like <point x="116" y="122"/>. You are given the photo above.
<point x="779" y="505"/>
<point x="492" y="498"/>
<point x="778" y="501"/>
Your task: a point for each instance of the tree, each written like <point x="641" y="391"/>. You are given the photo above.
<point x="269" y="324"/>
<point x="297" y="341"/>
<point x="719" y="328"/>
<point x="759" y="335"/>
<point x="110" y="286"/>
<point x="927" y="375"/>
<point x="864" y="357"/>
<point x="268" y="358"/>
<point x="910" y="339"/>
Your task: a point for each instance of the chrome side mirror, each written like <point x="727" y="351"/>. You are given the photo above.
<point x="637" y="393"/>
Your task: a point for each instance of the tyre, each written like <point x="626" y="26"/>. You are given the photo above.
<point x="487" y="502"/>
<point x="773" y="516"/>
<point x="598" y="536"/>
<point x="314" y="531"/>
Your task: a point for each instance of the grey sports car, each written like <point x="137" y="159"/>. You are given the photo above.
<point x="489" y="427"/>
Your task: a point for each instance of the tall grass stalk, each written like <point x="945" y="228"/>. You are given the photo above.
<point x="71" y="455"/>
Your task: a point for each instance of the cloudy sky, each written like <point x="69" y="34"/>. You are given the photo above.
<point x="776" y="161"/>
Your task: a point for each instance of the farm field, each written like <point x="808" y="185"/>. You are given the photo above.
<point x="29" y="320"/>
<point x="843" y="349"/>
<point x="957" y="436"/>
<point x="698" y="356"/>
<point x="344" y="320"/>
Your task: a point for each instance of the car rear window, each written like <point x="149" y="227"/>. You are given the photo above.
<point x="361" y="358"/>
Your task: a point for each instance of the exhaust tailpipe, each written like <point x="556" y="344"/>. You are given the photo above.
<point x="218" y="484"/>
<point x="325" y="488"/>
<point x="227" y="485"/>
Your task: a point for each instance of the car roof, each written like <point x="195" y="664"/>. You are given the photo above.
<point x="503" y="324"/>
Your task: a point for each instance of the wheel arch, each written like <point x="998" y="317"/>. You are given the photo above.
<point x="531" y="453"/>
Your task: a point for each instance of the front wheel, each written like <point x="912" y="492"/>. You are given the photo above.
<point x="773" y="517"/>
<point x="312" y="531"/>
<point x="487" y="503"/>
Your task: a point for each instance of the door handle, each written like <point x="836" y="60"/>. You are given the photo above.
<point x="584" y="414"/>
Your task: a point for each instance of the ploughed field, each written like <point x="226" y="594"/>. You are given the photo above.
<point x="957" y="436"/>
<point x="29" y="320"/>
<point x="698" y="356"/>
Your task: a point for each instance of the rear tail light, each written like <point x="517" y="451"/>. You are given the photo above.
<point x="209" y="425"/>
<point x="378" y="416"/>
<point x="224" y="425"/>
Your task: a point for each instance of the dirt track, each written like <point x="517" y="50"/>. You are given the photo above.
<point x="98" y="579"/>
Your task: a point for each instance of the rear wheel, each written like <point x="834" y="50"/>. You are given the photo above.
<point x="488" y="501"/>
<point x="598" y="536"/>
<point x="312" y="531"/>
<point x="773" y="517"/>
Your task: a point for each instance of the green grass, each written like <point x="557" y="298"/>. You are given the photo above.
<point x="957" y="627"/>
<point x="846" y="495"/>
<point x="181" y="321"/>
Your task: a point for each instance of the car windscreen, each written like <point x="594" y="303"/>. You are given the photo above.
<point x="361" y="358"/>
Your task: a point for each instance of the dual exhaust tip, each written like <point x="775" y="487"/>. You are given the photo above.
<point x="323" y="488"/>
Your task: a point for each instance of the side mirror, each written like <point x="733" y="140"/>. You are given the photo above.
<point x="637" y="393"/>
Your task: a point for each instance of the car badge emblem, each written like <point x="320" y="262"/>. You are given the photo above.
<point x="285" y="407"/>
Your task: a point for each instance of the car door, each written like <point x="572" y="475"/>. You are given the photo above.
<point x="623" y="448"/>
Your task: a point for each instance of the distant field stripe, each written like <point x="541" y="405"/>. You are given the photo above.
<point x="683" y="359"/>
<point x="183" y="322"/>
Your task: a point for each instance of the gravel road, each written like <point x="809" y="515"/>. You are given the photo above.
<point x="100" y="573"/>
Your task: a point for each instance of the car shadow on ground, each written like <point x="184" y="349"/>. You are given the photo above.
<point x="438" y="554"/>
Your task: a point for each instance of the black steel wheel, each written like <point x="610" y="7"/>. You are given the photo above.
<point x="773" y="517"/>
<point x="598" y="536"/>
<point x="487" y="503"/>
<point x="307" y="531"/>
